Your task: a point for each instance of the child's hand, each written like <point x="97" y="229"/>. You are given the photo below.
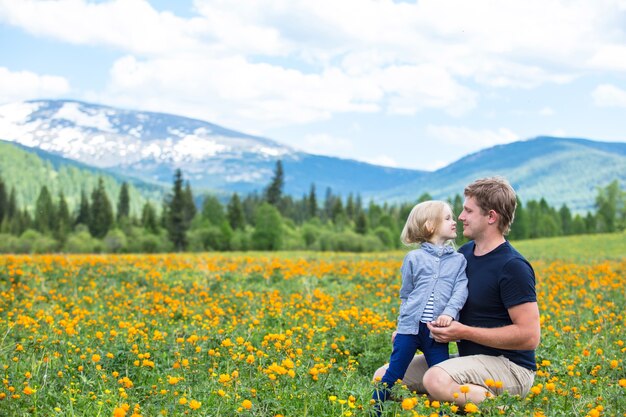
<point x="443" y="321"/>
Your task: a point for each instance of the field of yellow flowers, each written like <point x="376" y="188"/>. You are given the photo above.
<point x="296" y="334"/>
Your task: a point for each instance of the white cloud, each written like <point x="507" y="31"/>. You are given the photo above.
<point x="467" y="138"/>
<point x="325" y="144"/>
<point x="547" y="111"/>
<point x="129" y="25"/>
<point x="26" y="85"/>
<point x="280" y="62"/>
<point x="607" y="95"/>
<point x="610" y="57"/>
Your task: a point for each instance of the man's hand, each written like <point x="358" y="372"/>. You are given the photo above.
<point x="393" y="336"/>
<point x="447" y="334"/>
<point x="443" y="321"/>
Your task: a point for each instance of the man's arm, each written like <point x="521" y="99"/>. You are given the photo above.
<point x="523" y="334"/>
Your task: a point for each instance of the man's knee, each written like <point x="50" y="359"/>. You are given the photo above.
<point x="437" y="382"/>
<point x="380" y="373"/>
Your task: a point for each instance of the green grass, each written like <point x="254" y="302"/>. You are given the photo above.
<point x="581" y="248"/>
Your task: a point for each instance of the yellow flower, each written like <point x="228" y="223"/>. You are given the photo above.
<point x="408" y="404"/>
<point x="465" y="389"/>
<point x="194" y="405"/>
<point x="471" y="408"/>
<point x="247" y="404"/>
<point x="28" y="390"/>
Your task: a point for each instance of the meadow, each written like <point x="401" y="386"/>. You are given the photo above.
<point x="278" y="334"/>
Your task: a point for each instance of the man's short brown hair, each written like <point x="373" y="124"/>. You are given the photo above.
<point x="495" y="194"/>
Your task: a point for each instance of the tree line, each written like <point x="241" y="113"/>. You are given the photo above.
<point x="267" y="220"/>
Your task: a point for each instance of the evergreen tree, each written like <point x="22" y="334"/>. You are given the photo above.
<point x="337" y="210"/>
<point x="177" y="224"/>
<point x="123" y="203"/>
<point x="84" y="210"/>
<point x="4" y="201"/>
<point x="329" y="201"/>
<point x="350" y="207"/>
<point x="610" y="208"/>
<point x="519" y="228"/>
<point x="64" y="220"/>
<point x="374" y="213"/>
<point x="45" y="215"/>
<point x="149" y="219"/>
<point x="213" y="211"/>
<point x="312" y="202"/>
<point x="101" y="216"/>
<point x="360" y="224"/>
<point x="190" y="209"/>
<point x="236" y="217"/>
<point x="274" y="191"/>
<point x="250" y="204"/>
<point x="578" y="225"/>
<point x="12" y="209"/>
<point x="566" y="220"/>
<point x="590" y="223"/>
<point x="268" y="229"/>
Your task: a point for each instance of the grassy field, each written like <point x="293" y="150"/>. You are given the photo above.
<point x="278" y="334"/>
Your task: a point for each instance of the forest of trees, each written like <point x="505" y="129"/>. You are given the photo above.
<point x="270" y="220"/>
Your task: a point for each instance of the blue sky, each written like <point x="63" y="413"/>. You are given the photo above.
<point x="404" y="84"/>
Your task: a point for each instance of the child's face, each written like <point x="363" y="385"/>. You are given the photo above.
<point x="446" y="230"/>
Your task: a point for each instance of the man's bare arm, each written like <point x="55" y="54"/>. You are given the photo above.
<point x="523" y="334"/>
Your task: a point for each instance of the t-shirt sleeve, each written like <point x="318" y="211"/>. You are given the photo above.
<point x="517" y="284"/>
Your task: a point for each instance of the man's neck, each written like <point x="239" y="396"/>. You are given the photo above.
<point x="485" y="245"/>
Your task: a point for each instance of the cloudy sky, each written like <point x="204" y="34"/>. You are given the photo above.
<point x="415" y="84"/>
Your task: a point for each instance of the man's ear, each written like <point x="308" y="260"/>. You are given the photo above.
<point x="493" y="217"/>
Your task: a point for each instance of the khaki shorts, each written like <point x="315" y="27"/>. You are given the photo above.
<point x="475" y="370"/>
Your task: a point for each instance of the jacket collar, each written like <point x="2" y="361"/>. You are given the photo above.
<point x="437" y="250"/>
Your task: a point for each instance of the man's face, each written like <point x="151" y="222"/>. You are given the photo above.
<point x="475" y="222"/>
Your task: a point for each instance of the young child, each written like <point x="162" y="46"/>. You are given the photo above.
<point x="434" y="289"/>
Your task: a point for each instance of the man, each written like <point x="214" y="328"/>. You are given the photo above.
<point x="499" y="325"/>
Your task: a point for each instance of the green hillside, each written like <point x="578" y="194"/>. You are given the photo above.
<point x="580" y="248"/>
<point x="563" y="171"/>
<point x="28" y="170"/>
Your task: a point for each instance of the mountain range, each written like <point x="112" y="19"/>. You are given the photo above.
<point x="146" y="148"/>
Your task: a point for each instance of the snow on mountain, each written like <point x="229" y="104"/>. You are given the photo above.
<point x="106" y="137"/>
<point x="151" y="146"/>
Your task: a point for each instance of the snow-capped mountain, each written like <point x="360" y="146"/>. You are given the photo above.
<point x="151" y="146"/>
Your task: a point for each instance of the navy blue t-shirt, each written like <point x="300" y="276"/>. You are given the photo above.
<point x="497" y="281"/>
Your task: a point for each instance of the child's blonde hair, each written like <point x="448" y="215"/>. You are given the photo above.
<point x="423" y="221"/>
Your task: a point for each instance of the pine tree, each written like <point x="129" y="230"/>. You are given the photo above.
<point x="4" y="201"/>
<point x="64" y="221"/>
<point x="177" y="225"/>
<point x="149" y="218"/>
<point x="566" y="219"/>
<point x="101" y="216"/>
<point x="235" y="214"/>
<point x="190" y="209"/>
<point x="312" y="202"/>
<point x="12" y="209"/>
<point x="44" y="212"/>
<point x="83" y="215"/>
<point x="360" y="224"/>
<point x="350" y="208"/>
<point x="274" y="191"/>
<point x="268" y="230"/>
<point x="213" y="211"/>
<point x="123" y="203"/>
<point x="519" y="228"/>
